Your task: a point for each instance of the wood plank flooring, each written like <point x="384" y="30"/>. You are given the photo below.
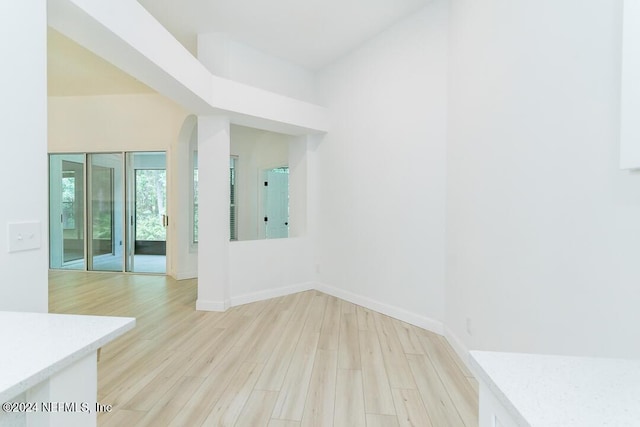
<point x="306" y="359"/>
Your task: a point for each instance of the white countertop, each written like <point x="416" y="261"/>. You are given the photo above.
<point x="545" y="390"/>
<point x="37" y="345"/>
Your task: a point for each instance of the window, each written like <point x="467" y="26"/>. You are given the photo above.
<point x="68" y="201"/>
<point x="150" y="204"/>
<point x="233" y="209"/>
<point x="195" y="196"/>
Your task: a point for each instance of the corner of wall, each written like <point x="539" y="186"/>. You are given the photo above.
<point x="458" y="346"/>
<point x="270" y="293"/>
<point x="185" y="275"/>
<point x="415" y="319"/>
<point x="204" y="305"/>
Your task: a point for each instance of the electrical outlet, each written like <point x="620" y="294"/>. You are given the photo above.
<point x="469" y="327"/>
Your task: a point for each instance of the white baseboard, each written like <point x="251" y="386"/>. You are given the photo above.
<point x="271" y="293"/>
<point x="183" y="275"/>
<point x="392" y="311"/>
<point x="458" y="346"/>
<point x="204" y="305"/>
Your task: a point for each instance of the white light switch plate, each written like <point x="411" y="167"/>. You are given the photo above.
<point x="23" y="236"/>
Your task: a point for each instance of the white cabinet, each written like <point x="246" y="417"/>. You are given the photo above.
<point x="48" y="372"/>
<point x="519" y="389"/>
<point x="492" y="412"/>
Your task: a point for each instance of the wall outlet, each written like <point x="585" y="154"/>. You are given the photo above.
<point x="469" y="326"/>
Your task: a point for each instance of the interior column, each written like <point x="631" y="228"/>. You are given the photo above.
<point x="213" y="213"/>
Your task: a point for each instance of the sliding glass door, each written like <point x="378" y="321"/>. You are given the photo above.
<point x="147" y="212"/>
<point x="66" y="211"/>
<point x="122" y="215"/>
<point x="106" y="212"/>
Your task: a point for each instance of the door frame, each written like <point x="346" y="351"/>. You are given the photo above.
<point x="57" y="251"/>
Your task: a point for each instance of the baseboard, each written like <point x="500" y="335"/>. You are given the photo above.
<point x="271" y="293"/>
<point x="390" y="310"/>
<point x="458" y="346"/>
<point x="204" y="305"/>
<point x="184" y="275"/>
<point x="423" y="322"/>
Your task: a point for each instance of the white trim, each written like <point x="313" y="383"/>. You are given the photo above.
<point x="398" y="313"/>
<point x="202" y="305"/>
<point x="432" y="325"/>
<point x="184" y="275"/>
<point x="458" y="346"/>
<point x="271" y="293"/>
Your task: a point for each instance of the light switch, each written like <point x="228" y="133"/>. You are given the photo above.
<point x="24" y="236"/>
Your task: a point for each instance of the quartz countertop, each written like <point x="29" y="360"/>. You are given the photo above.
<point x="546" y="390"/>
<point x="38" y="345"/>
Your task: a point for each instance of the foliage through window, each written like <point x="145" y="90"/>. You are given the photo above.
<point x="69" y="202"/>
<point x="150" y="204"/>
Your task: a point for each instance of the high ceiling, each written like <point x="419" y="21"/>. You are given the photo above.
<point x="310" y="33"/>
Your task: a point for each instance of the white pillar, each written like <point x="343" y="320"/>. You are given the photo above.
<point x="23" y="165"/>
<point x="213" y="213"/>
<point x="180" y="198"/>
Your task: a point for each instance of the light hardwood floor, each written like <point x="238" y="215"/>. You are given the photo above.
<point x="299" y="360"/>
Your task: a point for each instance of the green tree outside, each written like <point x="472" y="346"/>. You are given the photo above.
<point x="151" y="202"/>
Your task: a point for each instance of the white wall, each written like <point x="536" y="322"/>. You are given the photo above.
<point x="139" y="122"/>
<point x="268" y="268"/>
<point x="237" y="61"/>
<point x="261" y="269"/>
<point x="231" y="273"/>
<point x="183" y="263"/>
<point x="23" y="132"/>
<point x="381" y="180"/>
<point x="542" y="226"/>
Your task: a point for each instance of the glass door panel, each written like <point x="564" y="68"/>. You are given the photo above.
<point x="66" y="211"/>
<point x="106" y="212"/>
<point x="276" y="203"/>
<point x="124" y="218"/>
<point x="147" y="215"/>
